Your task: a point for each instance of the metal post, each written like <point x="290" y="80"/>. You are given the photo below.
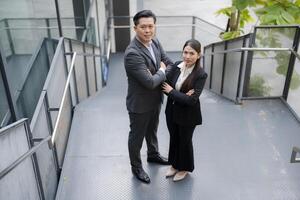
<point x="291" y="65"/>
<point x="48" y="27"/>
<point x="86" y="71"/>
<point x="224" y="67"/>
<point x="7" y="91"/>
<point x="193" y="27"/>
<point x="58" y="19"/>
<point x="34" y="161"/>
<point x="211" y="65"/>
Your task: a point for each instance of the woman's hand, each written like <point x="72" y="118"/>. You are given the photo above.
<point x="190" y="92"/>
<point x="166" y="88"/>
<point x="163" y="66"/>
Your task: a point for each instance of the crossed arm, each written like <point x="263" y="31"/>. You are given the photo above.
<point x="136" y="67"/>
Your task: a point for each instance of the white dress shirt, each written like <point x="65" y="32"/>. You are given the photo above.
<point x="184" y="73"/>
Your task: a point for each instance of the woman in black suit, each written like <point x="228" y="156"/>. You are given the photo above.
<point x="185" y="82"/>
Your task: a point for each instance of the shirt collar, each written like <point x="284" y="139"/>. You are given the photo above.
<point x="147" y="46"/>
<point x="182" y="68"/>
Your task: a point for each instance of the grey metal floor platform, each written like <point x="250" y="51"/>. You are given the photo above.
<point x="242" y="152"/>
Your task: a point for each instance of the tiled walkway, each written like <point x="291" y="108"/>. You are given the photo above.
<point x="241" y="151"/>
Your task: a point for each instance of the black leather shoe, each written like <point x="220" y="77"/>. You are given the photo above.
<point x="140" y="174"/>
<point x="158" y="159"/>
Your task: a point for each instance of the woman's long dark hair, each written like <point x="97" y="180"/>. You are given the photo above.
<point x="188" y="83"/>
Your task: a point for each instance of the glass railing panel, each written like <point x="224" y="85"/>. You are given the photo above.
<point x="20" y="182"/>
<point x="45" y="157"/>
<point x="91" y="70"/>
<point x="32" y="87"/>
<point x="56" y="80"/>
<point x="63" y="128"/>
<point x="92" y="26"/>
<point x="217" y="70"/>
<point x="4" y="107"/>
<point x="99" y="69"/>
<point x="102" y="22"/>
<point x="232" y="69"/>
<point x="207" y="64"/>
<point x="71" y="27"/>
<point x="266" y="80"/>
<point x="80" y="72"/>
<point x="293" y="98"/>
<point x="172" y="32"/>
<point x="4" y="39"/>
<point x="14" y="143"/>
<point x="269" y="68"/>
<point x="206" y="33"/>
<point x="26" y="34"/>
<point x="91" y="32"/>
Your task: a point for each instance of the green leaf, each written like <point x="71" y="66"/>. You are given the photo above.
<point x="268" y="19"/>
<point x="225" y="11"/>
<point x="280" y="21"/>
<point x="288" y="18"/>
<point x="297" y="3"/>
<point x="242" y="4"/>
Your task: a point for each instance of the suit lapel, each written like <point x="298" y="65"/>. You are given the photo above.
<point x="157" y="54"/>
<point x="146" y="51"/>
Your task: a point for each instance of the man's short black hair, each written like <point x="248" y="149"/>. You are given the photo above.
<point x="143" y="13"/>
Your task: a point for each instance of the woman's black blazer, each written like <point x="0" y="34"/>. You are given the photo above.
<point x="183" y="109"/>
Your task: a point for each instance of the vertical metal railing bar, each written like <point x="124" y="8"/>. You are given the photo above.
<point x="50" y="128"/>
<point x="193" y="26"/>
<point x="95" y="71"/>
<point x="10" y="40"/>
<point x="47" y="53"/>
<point x="48" y="29"/>
<point x="85" y="70"/>
<point x="63" y="99"/>
<point x="34" y="161"/>
<point x="7" y="90"/>
<point x="291" y="64"/>
<point x="74" y="76"/>
<point x="223" y="67"/>
<point x="58" y="18"/>
<point x="241" y="70"/>
<point x="211" y="65"/>
<point x="65" y="62"/>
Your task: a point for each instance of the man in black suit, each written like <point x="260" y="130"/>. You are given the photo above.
<point x="145" y="63"/>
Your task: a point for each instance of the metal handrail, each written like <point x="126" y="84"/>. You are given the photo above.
<point x="41" y="27"/>
<point x="181" y="16"/>
<point x="168" y="25"/>
<point x="253" y="49"/>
